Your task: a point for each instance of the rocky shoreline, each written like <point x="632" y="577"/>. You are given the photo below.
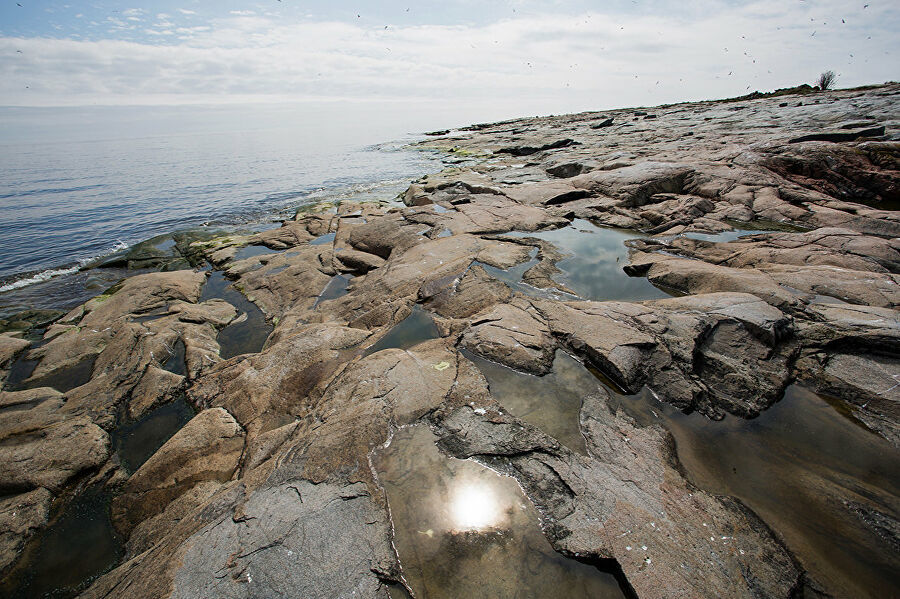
<point x="544" y="308"/>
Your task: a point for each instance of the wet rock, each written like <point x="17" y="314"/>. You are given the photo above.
<point x="29" y="319"/>
<point x="21" y="516"/>
<point x="158" y="253"/>
<point x="206" y="449"/>
<point x="154" y="529"/>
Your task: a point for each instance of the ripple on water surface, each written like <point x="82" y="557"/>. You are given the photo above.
<point x="463" y="530"/>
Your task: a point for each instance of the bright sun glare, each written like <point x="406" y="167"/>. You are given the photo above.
<point x="474" y="507"/>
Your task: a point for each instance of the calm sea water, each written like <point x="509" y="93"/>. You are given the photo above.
<point x="79" y="183"/>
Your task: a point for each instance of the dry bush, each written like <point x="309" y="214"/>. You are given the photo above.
<point x="826" y="80"/>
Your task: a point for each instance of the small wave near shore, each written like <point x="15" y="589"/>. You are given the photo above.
<point x="26" y="279"/>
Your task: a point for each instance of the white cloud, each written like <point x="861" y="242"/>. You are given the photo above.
<point x="185" y="11"/>
<point x="562" y="62"/>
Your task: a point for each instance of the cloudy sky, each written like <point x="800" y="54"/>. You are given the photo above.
<point x="527" y="56"/>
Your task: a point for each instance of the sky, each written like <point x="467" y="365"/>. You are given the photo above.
<point x="518" y="57"/>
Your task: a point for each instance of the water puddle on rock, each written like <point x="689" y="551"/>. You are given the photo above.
<point x="62" y="379"/>
<point x="593" y="267"/>
<point x="411" y="331"/>
<point x="551" y="402"/>
<point x="824" y="483"/>
<point x="323" y="239"/>
<point x="79" y="545"/>
<point x="152" y="315"/>
<point x="463" y="530"/>
<point x="336" y="287"/>
<point x="249" y="333"/>
<point x="745" y="229"/>
<point x="136" y="441"/>
<point x="176" y="361"/>
<point x="252" y="251"/>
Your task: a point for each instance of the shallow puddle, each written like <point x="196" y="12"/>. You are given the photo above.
<point x="463" y="530"/>
<point x="63" y="379"/>
<point x="249" y="334"/>
<point x="152" y="315"/>
<point x="20" y="369"/>
<point x="78" y="546"/>
<point x="411" y="331"/>
<point x="743" y="229"/>
<point x="805" y="468"/>
<point x="136" y="441"/>
<point x="251" y="251"/>
<point x="593" y="268"/>
<point x="323" y="239"/>
<point x="723" y="236"/>
<point x="551" y="402"/>
<point x="336" y="287"/>
<point x="176" y="361"/>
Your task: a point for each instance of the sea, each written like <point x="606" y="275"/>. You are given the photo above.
<point x="81" y="183"/>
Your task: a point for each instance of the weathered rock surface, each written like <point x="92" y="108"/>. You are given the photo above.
<point x="513" y="334"/>
<point x="9" y="347"/>
<point x="20" y="517"/>
<point x="270" y="490"/>
<point x="208" y="448"/>
<point x="277" y="386"/>
<point x="48" y="450"/>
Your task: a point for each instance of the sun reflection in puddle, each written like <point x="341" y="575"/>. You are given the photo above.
<point x="474" y="508"/>
<point x="463" y="530"/>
